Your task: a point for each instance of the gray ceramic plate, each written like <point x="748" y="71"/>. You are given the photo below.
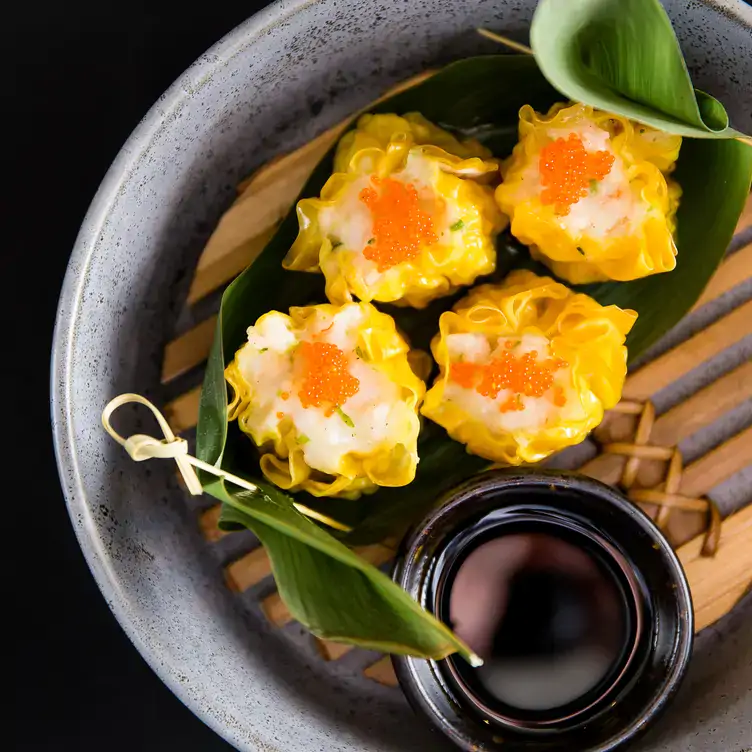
<point x="269" y="86"/>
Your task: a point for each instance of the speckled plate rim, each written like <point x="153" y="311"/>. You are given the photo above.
<point x="134" y="151"/>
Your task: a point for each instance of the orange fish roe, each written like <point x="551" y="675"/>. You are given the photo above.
<point x="465" y="374"/>
<point x="327" y="381"/>
<point x="567" y="170"/>
<point x="513" y="404"/>
<point x="522" y="375"/>
<point x="401" y="227"/>
<point x="559" y="399"/>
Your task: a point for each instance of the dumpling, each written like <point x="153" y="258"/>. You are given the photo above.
<point x="329" y="398"/>
<point x="526" y="368"/>
<point x="588" y="192"/>
<point x="405" y="217"/>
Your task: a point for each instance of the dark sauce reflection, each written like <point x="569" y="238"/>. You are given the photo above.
<point x="548" y="618"/>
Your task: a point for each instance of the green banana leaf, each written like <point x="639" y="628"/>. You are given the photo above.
<point x="325" y="586"/>
<point x="623" y="56"/>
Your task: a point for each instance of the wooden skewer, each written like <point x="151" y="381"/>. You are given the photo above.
<point x="506" y="41"/>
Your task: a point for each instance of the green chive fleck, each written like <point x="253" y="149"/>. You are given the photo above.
<point x="371" y="241"/>
<point x="346" y="419"/>
<point x="593" y="186"/>
<point x="580" y="250"/>
<point x="360" y="353"/>
<point x="336" y="244"/>
<point x="303" y="439"/>
<point x="263" y="349"/>
<point x="458" y="225"/>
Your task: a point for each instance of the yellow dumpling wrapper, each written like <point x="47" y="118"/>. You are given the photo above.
<point x="526" y="368"/>
<point x="328" y="396"/>
<point x="622" y="228"/>
<point x="429" y="224"/>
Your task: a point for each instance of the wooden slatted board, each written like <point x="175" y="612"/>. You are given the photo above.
<point x="637" y="444"/>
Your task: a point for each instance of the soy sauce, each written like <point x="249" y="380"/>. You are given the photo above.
<point x="546" y="610"/>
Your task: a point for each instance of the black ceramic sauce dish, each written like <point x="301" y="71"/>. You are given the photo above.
<point x="576" y="602"/>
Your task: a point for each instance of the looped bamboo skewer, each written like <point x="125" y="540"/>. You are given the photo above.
<point x="141" y="447"/>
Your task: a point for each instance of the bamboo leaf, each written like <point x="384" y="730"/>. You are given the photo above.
<point x="623" y="56"/>
<point x="330" y="589"/>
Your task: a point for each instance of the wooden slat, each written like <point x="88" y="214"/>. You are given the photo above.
<point x="247" y="571"/>
<point x="275" y="610"/>
<point x="189" y="350"/>
<point x="252" y="220"/>
<point x="332" y="651"/>
<point x="228" y="264"/>
<point x="718" y="583"/>
<point x="208" y="523"/>
<point x="676" y="363"/>
<point x="732" y="272"/>
<point x="182" y="412"/>
<point x="382" y="672"/>
<point x="703" y="475"/>
<point x="745" y="220"/>
<point x="704" y="407"/>
<point x="720" y="606"/>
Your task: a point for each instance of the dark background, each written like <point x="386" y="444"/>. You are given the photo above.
<point x="82" y="75"/>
